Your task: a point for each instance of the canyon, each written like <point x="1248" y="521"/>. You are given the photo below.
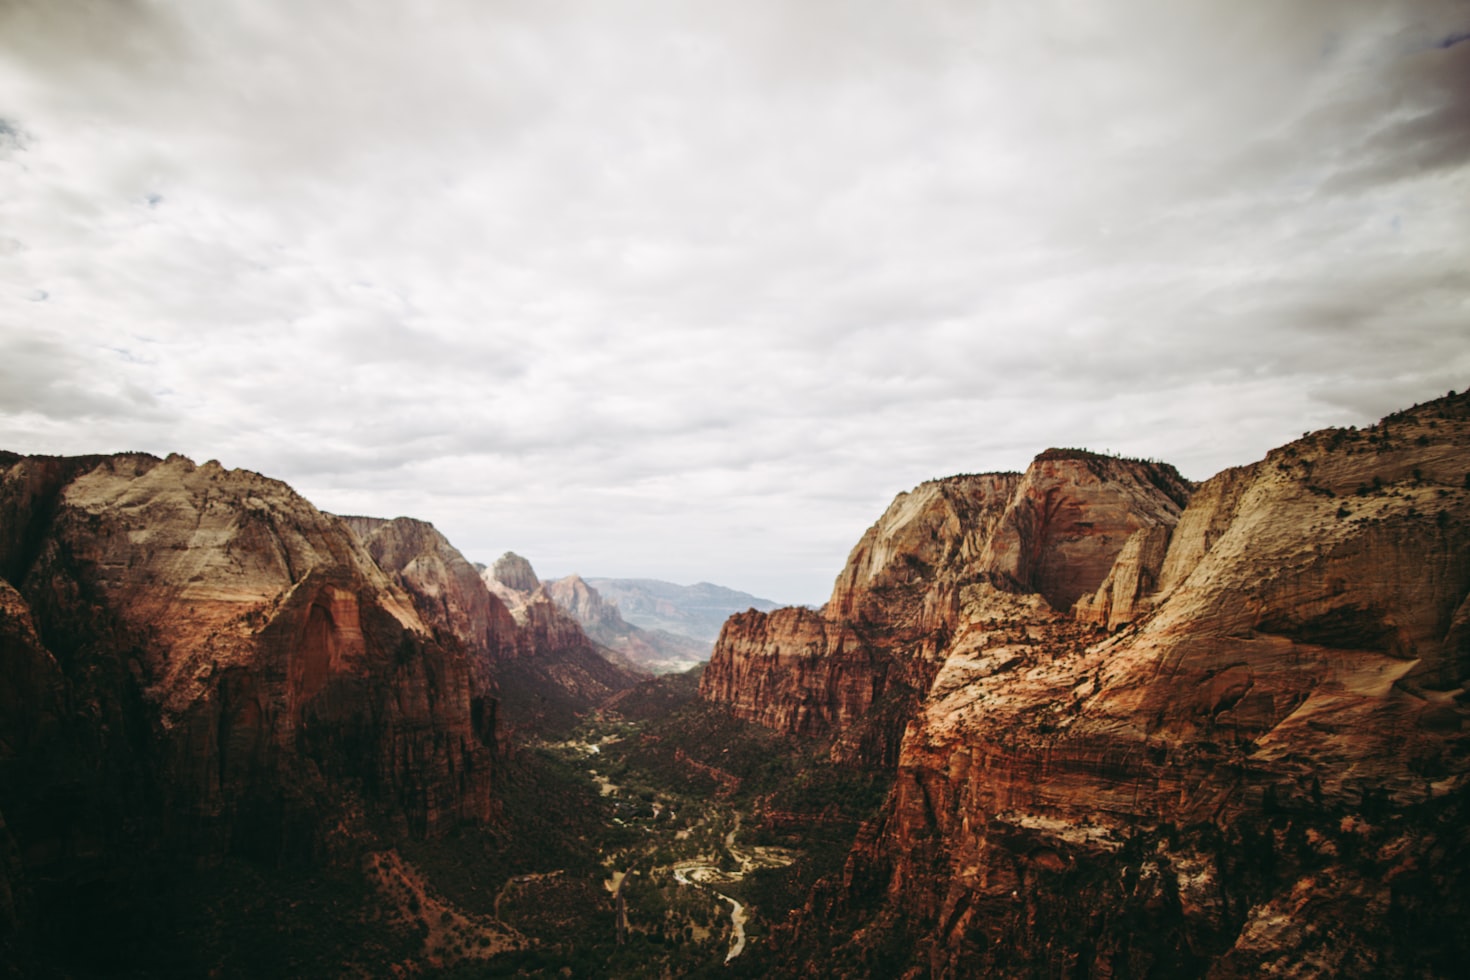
<point x="197" y="664"/>
<point x="1088" y="719"/>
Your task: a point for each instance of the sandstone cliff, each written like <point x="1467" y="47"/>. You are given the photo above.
<point x="557" y="671"/>
<point x="655" y="650"/>
<point x="515" y="573"/>
<point x="446" y="589"/>
<point x="197" y="662"/>
<point x="857" y="669"/>
<point x="1263" y="767"/>
<point x="532" y="661"/>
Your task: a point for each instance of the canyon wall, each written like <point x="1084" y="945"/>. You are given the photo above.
<point x="557" y="671"/>
<point x="198" y="662"/>
<point x="1225" y="740"/>
<point x="530" y="658"/>
<point x="855" y="670"/>
<point x="446" y="589"/>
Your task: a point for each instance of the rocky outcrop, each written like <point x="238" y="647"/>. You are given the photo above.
<point x="557" y="671"/>
<point x="655" y="650"/>
<point x="1072" y="516"/>
<point x="446" y="590"/>
<point x="856" y="670"/>
<point x="1263" y="768"/>
<point x="534" y="664"/>
<point x="1131" y="583"/>
<point x="250" y="624"/>
<point x="515" y="573"/>
<point x="197" y="662"/>
<point x="584" y="603"/>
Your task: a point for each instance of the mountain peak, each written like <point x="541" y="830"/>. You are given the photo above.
<point x="515" y="572"/>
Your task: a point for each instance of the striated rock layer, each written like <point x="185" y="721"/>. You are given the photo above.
<point x="857" y="669"/>
<point x="198" y="662"/>
<point x="524" y="651"/>
<point x="557" y="670"/>
<point x="1225" y="741"/>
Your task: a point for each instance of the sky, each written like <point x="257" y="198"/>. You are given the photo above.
<point x="691" y="289"/>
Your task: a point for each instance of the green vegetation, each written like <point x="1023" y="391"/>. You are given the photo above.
<point x="241" y="920"/>
<point x="678" y="813"/>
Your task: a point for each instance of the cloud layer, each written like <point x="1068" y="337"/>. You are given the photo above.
<point x="691" y="290"/>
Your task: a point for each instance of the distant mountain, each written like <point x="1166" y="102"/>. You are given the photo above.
<point x="697" y="610"/>
<point x="566" y="671"/>
<point x="657" y="650"/>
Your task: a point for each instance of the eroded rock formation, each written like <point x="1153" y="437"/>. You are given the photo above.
<point x="557" y="670"/>
<point x="197" y="662"/>
<point x="531" y="660"/>
<point x="858" y="668"/>
<point x="515" y="573"/>
<point x="446" y="589"/>
<point x="1227" y="740"/>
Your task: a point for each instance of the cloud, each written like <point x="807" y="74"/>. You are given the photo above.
<point x="691" y="290"/>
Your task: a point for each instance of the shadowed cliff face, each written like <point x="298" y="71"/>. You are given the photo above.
<point x="202" y="663"/>
<point x="1224" y="741"/>
<point x="858" y="668"/>
<point x="555" y="671"/>
<point x="446" y="590"/>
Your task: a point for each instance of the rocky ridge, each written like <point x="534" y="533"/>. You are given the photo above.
<point x="198" y="662"/>
<point x="856" y="669"/>
<point x="446" y="589"/>
<point x="1223" y="739"/>
<point x="558" y="671"/>
<point x="525" y="652"/>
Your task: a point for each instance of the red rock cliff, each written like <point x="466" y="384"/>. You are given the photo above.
<point x="557" y="671"/>
<point x="1264" y="769"/>
<point x="523" y="649"/>
<point x="236" y="653"/>
<point x="857" y="669"/>
<point x="446" y="589"/>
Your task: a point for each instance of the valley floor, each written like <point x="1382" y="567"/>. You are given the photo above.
<point x="662" y="847"/>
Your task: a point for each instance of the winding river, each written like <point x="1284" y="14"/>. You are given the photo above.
<point x="707" y="875"/>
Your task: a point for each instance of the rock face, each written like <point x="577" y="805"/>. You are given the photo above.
<point x="446" y="589"/>
<point x="198" y="662"/>
<point x="536" y="661"/>
<point x="515" y="573"/>
<point x="857" y="669"/>
<point x="557" y="671"/>
<point x="656" y="650"/>
<point x="1227" y="741"/>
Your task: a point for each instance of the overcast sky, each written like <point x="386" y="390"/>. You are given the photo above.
<point x="692" y="289"/>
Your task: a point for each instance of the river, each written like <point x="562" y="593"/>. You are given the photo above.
<point x="705" y="875"/>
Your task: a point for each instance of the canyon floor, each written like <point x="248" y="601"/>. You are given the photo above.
<point x="659" y="846"/>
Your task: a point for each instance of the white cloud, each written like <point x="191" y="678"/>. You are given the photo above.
<point x="691" y="290"/>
